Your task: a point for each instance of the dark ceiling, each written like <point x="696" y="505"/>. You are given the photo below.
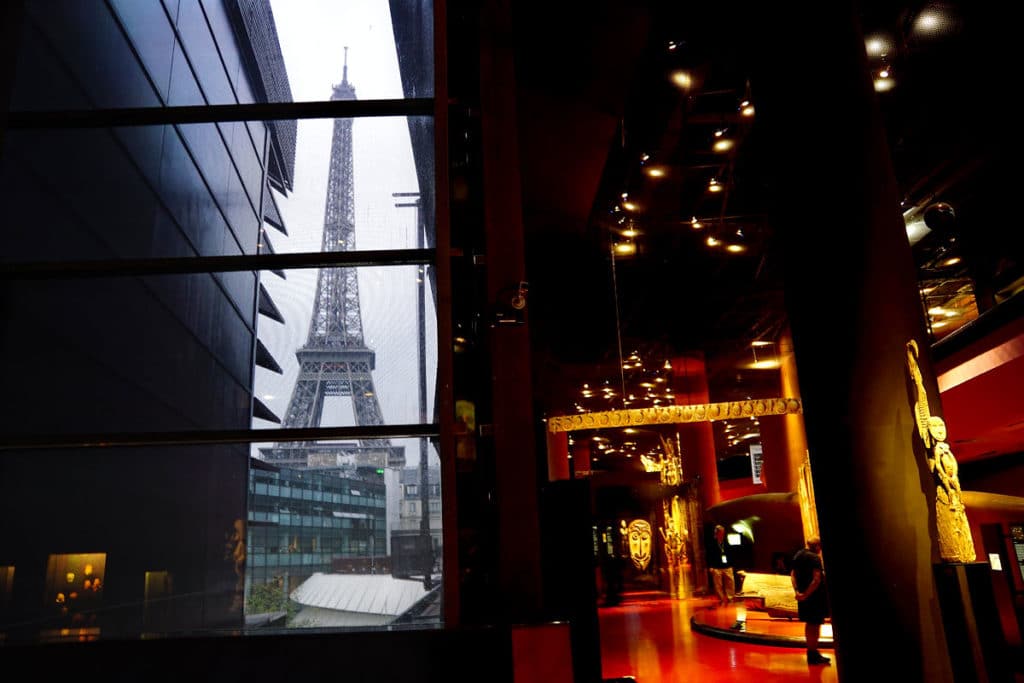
<point x="598" y="110"/>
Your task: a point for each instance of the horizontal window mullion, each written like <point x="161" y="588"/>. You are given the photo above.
<point x="219" y="264"/>
<point x="205" y="437"/>
<point x="265" y="111"/>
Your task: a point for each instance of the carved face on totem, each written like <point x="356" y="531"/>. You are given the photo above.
<point x="937" y="428"/>
<point x="639" y="534"/>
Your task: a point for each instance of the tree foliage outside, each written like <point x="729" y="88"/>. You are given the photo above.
<point x="269" y="597"/>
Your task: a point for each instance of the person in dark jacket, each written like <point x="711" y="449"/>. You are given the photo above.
<point x="720" y="567"/>
<point x="808" y="577"/>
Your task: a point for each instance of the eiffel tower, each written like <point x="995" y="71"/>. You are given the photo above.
<point x="335" y="360"/>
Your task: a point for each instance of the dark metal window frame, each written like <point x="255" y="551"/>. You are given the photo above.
<point x="108" y="118"/>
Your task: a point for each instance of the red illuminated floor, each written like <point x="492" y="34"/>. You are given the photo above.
<point x="653" y="641"/>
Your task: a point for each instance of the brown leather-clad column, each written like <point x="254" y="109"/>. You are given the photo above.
<point x="782" y="436"/>
<point x="558" y="456"/>
<point x="515" y="459"/>
<point x="697" y="439"/>
<point x="851" y="293"/>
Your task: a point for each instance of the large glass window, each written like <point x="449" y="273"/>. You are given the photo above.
<point x="220" y="302"/>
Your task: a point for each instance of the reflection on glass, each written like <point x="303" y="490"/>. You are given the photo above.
<point x="74" y="595"/>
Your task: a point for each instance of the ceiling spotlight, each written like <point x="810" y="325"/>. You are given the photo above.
<point x="883" y="80"/>
<point x="884" y="84"/>
<point x="629" y="206"/>
<point x="736" y="248"/>
<point x="712" y="242"/>
<point x="625" y="248"/>
<point x="723" y="145"/>
<point x="878" y="45"/>
<point x="746" y="108"/>
<point x="932" y="22"/>
<point x="696" y="224"/>
<point x="656" y="172"/>
<point x="683" y="79"/>
<point x="630" y="232"/>
<point x="714" y="186"/>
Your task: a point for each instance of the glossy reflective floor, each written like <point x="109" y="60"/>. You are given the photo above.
<point x="654" y="640"/>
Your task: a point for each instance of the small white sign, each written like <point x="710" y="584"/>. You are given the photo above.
<point x="997" y="564"/>
<point x="755" y="462"/>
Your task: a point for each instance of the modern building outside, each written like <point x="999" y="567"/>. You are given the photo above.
<point x="304" y="521"/>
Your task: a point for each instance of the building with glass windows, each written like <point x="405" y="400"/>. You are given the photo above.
<point x="304" y="521"/>
<point x="410" y="555"/>
<point x="135" y="351"/>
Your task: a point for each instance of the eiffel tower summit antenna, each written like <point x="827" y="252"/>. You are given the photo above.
<point x="344" y="90"/>
<point x="335" y="360"/>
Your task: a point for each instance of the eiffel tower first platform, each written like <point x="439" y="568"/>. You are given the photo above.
<point x="335" y="360"/>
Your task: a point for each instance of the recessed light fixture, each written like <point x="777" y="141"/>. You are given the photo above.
<point x="722" y="145"/>
<point x="884" y="84"/>
<point x="683" y="79"/>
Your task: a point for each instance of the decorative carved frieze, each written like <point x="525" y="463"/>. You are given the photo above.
<point x="701" y="412"/>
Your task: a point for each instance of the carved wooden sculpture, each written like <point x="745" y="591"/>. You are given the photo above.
<point x="955" y="541"/>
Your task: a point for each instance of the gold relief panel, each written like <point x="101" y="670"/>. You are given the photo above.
<point x="675" y="414"/>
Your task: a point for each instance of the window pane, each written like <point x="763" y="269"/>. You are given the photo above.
<point x="349" y="347"/>
<point x="124" y="540"/>
<point x="209" y="190"/>
<point x="336" y="559"/>
<point x="167" y="352"/>
<point x="375" y="174"/>
<point x="131" y="53"/>
<point x="181" y="191"/>
<point x="187" y="561"/>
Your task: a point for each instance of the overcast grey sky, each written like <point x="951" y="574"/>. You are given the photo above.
<point x="313" y="35"/>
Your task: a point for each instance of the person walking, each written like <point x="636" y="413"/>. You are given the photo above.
<point x="720" y="567"/>
<point x="808" y="578"/>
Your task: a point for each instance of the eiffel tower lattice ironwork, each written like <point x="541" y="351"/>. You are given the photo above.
<point x="335" y="360"/>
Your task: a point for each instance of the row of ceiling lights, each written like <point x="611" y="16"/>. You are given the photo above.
<point x="721" y="143"/>
<point x="881" y="49"/>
